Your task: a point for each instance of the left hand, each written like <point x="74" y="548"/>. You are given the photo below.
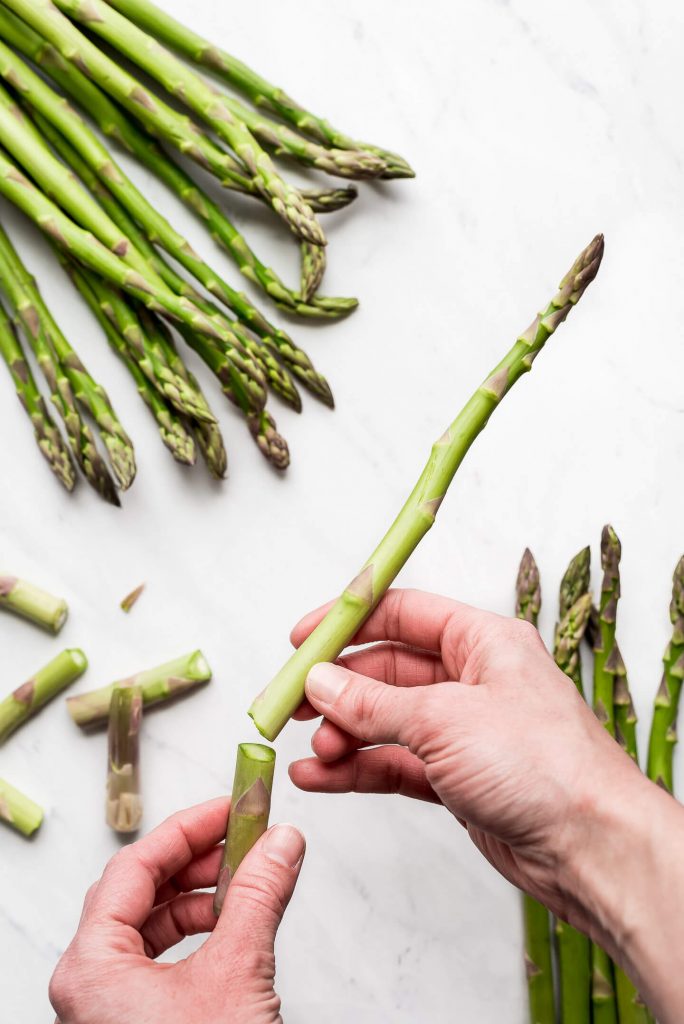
<point x="146" y="902"/>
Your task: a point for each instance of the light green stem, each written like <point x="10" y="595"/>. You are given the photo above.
<point x="124" y="802"/>
<point x="32" y="603"/>
<point x="157" y="685"/>
<point x="48" y="681"/>
<point x="273" y="708"/>
<point x="18" y="811"/>
<point x="249" y="810"/>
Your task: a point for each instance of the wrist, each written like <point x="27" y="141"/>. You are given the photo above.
<point x="623" y="880"/>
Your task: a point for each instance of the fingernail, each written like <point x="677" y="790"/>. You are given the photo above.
<point x="284" y="844"/>
<point x="326" y="682"/>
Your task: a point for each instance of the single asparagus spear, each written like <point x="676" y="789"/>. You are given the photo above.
<point x="664" y="726"/>
<point x="47" y="434"/>
<point x="157" y="685"/>
<point x="37" y="320"/>
<point x="18" y="811"/>
<point x="606" y="664"/>
<point x="124" y="802"/>
<point x="158" y="117"/>
<point x="574" y="948"/>
<point x="250" y="807"/>
<point x="32" y="603"/>
<point x="272" y="709"/>
<point x="575" y="582"/>
<point x="538" y="965"/>
<point x="262" y="94"/>
<point x="172" y="430"/>
<point x="115" y="123"/>
<point x="29" y="698"/>
<point x="631" y="1008"/>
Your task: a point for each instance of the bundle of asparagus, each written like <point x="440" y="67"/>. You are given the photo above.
<point x="116" y="246"/>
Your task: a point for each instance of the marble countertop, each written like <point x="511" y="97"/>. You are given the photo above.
<point x="532" y="126"/>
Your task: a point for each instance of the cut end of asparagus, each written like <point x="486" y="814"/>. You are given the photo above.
<point x="32" y="603"/>
<point x="18" y="810"/>
<point x="257" y="752"/>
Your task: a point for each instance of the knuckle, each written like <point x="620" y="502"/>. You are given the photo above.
<point x="250" y="962"/>
<point x="366" y="700"/>
<point x="63" y="987"/>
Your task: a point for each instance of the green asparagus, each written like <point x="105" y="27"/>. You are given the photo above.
<point x="124" y="802"/>
<point x="47" y="682"/>
<point x="32" y="603"/>
<point x="18" y="810"/>
<point x="664" y="726"/>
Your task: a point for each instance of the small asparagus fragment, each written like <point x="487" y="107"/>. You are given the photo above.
<point x="574" y="948"/>
<point x="274" y="706"/>
<point x="132" y="598"/>
<point x="124" y="802"/>
<point x="250" y="807"/>
<point x="538" y="961"/>
<point x="172" y="430"/>
<point x="32" y="603"/>
<point x="18" y="810"/>
<point x="48" y="681"/>
<point x="158" y="117"/>
<point x="116" y="124"/>
<point x="664" y="726"/>
<point x="47" y="435"/>
<point x="157" y="685"/>
<point x="262" y="93"/>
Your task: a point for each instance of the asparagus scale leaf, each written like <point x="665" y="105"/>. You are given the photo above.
<point x="272" y="709"/>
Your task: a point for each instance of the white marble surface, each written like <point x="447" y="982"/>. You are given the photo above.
<point x="531" y="126"/>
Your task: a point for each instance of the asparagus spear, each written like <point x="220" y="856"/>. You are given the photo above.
<point x="158" y="117"/>
<point x="114" y="123"/>
<point x="30" y="316"/>
<point x="264" y="95"/>
<point x="157" y="684"/>
<point x="18" y="810"/>
<point x="33" y="603"/>
<point x="664" y="726"/>
<point x="272" y="709"/>
<point x="574" y="948"/>
<point x="37" y="320"/>
<point x="124" y="803"/>
<point x="250" y="807"/>
<point x="172" y="430"/>
<point x="47" y="435"/>
<point x="313" y="264"/>
<point x="48" y="681"/>
<point x="606" y="665"/>
<point x="575" y="582"/>
<point x="538" y="965"/>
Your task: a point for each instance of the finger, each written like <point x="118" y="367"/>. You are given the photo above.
<point x="201" y="873"/>
<point x="380" y="770"/>
<point x="397" y="665"/>
<point x="189" y="914"/>
<point x="372" y="711"/>
<point x="407" y="616"/>
<point x="330" y="743"/>
<point x="305" y="712"/>
<point x="258" y="894"/>
<point x="127" y="889"/>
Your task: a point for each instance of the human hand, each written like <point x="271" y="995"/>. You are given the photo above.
<point x="483" y="721"/>
<point x="146" y="902"/>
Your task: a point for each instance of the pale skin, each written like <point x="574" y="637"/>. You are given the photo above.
<point x="453" y="705"/>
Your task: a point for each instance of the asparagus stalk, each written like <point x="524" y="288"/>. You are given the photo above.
<point x="664" y="726"/>
<point x="158" y="117"/>
<point x="47" y="435"/>
<point x="37" y="320"/>
<point x="574" y="948"/>
<point x="172" y="430"/>
<point x="30" y="697"/>
<point x="574" y="584"/>
<point x="249" y="810"/>
<point x="538" y="965"/>
<point x="18" y="810"/>
<point x="272" y="709"/>
<point x="157" y="685"/>
<point x="115" y="123"/>
<point x="33" y="603"/>
<point x="313" y="264"/>
<point x="607" y="661"/>
<point x="124" y="803"/>
<point x="262" y="94"/>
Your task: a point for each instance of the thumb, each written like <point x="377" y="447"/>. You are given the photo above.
<point x="371" y="711"/>
<point x="260" y="891"/>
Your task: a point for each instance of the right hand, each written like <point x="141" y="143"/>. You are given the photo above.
<point x="468" y="709"/>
